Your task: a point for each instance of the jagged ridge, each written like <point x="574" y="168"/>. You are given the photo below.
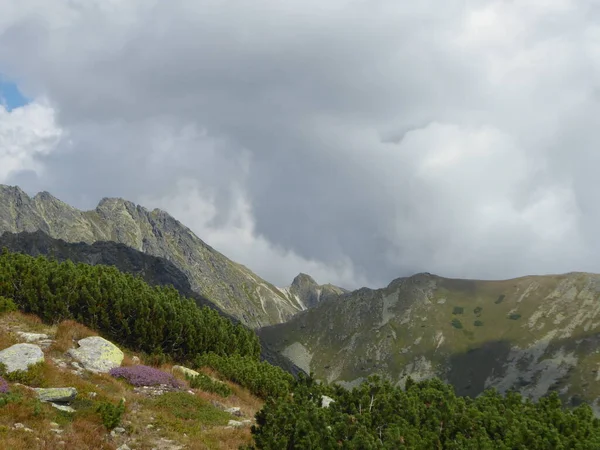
<point x="234" y="288"/>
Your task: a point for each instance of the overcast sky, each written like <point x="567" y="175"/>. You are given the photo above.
<point x="355" y="140"/>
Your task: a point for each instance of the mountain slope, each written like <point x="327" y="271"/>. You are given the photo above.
<point x="534" y="334"/>
<point x="234" y="288"/>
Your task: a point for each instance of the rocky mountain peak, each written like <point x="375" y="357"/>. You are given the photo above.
<point x="304" y="280"/>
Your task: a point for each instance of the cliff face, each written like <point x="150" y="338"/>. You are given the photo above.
<point x="231" y="286"/>
<point x="532" y="334"/>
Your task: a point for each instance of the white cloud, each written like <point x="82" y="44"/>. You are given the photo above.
<point x="237" y="237"/>
<point x="357" y="141"/>
<point x="25" y="134"/>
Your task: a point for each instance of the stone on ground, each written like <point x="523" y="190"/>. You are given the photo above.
<point x="234" y="410"/>
<point x="21" y="356"/>
<point x="186" y="371"/>
<point x="96" y="354"/>
<point x="61" y="395"/>
<point x="32" y="337"/>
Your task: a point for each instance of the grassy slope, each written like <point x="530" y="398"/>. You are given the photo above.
<point x="535" y="334"/>
<point x="185" y="419"/>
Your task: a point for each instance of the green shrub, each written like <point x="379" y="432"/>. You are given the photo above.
<point x="422" y="416"/>
<point x="7" y="305"/>
<point x="260" y="377"/>
<point x="33" y="376"/>
<point x="111" y="414"/>
<point x="478" y="310"/>
<point x="514" y="316"/>
<point x="500" y="299"/>
<point x="457" y="324"/>
<point x="478" y="323"/>
<point x="458" y="310"/>
<point x="207" y="384"/>
<point x="156" y="320"/>
<point x="10" y="397"/>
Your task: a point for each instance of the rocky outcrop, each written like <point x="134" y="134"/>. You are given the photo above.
<point x="96" y="354"/>
<point x="21" y="357"/>
<point x="309" y="293"/>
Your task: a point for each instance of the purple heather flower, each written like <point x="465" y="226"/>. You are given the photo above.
<point x="145" y="376"/>
<point x="3" y="386"/>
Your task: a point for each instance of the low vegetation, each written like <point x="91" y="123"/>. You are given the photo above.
<point x="140" y="375"/>
<point x="123" y="307"/>
<point x="259" y="377"/>
<point x="423" y="416"/>
<point x="207" y="384"/>
<point x="161" y="326"/>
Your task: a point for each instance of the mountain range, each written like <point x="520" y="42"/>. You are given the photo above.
<point x="232" y="287"/>
<point x="534" y="334"/>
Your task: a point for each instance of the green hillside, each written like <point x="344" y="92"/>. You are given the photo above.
<point x="533" y="334"/>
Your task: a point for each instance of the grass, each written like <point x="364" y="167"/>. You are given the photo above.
<point x="68" y="333"/>
<point x="190" y="420"/>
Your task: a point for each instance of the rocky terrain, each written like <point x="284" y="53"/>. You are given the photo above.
<point x="533" y="334"/>
<point x="63" y="377"/>
<point x="231" y="286"/>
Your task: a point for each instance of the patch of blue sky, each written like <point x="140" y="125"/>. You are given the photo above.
<point x="10" y="95"/>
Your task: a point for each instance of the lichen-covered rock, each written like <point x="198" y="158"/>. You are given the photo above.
<point x="234" y="411"/>
<point x="185" y="371"/>
<point x="63" y="408"/>
<point x="32" y="337"/>
<point x="62" y="395"/>
<point x="21" y="356"/>
<point x="96" y="354"/>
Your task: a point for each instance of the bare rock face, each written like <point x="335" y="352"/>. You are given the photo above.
<point x="21" y="357"/>
<point x="96" y="354"/>
<point x="310" y="294"/>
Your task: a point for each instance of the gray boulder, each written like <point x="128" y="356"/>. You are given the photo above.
<point x="96" y="354"/>
<point x="21" y="356"/>
<point x="62" y="395"/>
<point x="32" y="337"/>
